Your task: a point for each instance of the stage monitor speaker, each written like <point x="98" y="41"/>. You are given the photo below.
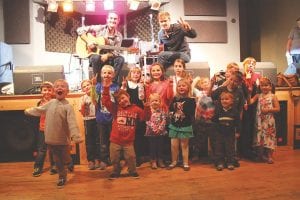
<point x="194" y="68"/>
<point x="27" y="79"/>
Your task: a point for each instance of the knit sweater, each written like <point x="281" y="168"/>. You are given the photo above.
<point x="60" y="125"/>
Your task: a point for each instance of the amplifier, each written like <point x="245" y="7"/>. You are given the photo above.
<point x="27" y="79"/>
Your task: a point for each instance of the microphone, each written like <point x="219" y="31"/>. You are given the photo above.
<point x="150" y="15"/>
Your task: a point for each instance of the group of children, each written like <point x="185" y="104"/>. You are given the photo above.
<point x="121" y="121"/>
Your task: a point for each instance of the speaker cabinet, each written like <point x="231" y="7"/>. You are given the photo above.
<point x="27" y="79"/>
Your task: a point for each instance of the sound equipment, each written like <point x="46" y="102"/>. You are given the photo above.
<point x="194" y="68"/>
<point x="27" y="79"/>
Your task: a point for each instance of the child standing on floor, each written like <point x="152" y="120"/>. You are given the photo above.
<point x="47" y="94"/>
<point x="136" y="90"/>
<point x="203" y="127"/>
<point x="164" y="87"/>
<point x="227" y="118"/>
<point x="156" y="130"/>
<point x="265" y="129"/>
<point x="60" y="128"/>
<point x="123" y="131"/>
<point x="87" y="109"/>
<point x="182" y="113"/>
<point x="103" y="116"/>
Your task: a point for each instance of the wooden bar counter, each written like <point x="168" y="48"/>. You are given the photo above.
<point x="21" y="102"/>
<point x="292" y="97"/>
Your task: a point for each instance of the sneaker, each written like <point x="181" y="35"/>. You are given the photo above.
<point x="97" y="164"/>
<point x="153" y="164"/>
<point x="230" y="167"/>
<point x="103" y="166"/>
<point x="61" y="182"/>
<point x="113" y="176"/>
<point x="186" y="168"/>
<point x="91" y="165"/>
<point x="138" y="163"/>
<point x="236" y="163"/>
<point x="220" y="167"/>
<point x="161" y="163"/>
<point x="171" y="166"/>
<point x="53" y="171"/>
<point x="36" y="172"/>
<point x="134" y="175"/>
<point x="270" y="161"/>
<point x="71" y="168"/>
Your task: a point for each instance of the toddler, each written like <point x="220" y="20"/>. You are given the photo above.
<point x="60" y="128"/>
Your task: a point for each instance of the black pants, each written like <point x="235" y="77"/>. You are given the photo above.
<point x="156" y="147"/>
<point x="198" y="144"/>
<point x="141" y="142"/>
<point x="225" y="151"/>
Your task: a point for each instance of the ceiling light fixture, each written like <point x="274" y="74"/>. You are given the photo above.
<point x="155" y="4"/>
<point x="68" y="6"/>
<point x="108" y="4"/>
<point x="90" y="6"/>
<point x="133" y="4"/>
<point x="52" y="6"/>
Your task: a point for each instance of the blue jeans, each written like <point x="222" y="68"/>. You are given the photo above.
<point x="92" y="142"/>
<point x="42" y="152"/>
<point x="116" y="153"/>
<point x="167" y="58"/>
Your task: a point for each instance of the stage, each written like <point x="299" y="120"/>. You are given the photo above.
<point x="251" y="181"/>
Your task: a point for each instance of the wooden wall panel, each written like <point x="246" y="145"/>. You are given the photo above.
<point x="205" y="7"/>
<point x="16" y="21"/>
<point x="209" y="31"/>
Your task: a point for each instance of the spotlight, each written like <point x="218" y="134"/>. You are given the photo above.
<point x="52" y="6"/>
<point x="108" y="4"/>
<point x="90" y="6"/>
<point x="68" y="6"/>
<point x="155" y="4"/>
<point x="133" y="4"/>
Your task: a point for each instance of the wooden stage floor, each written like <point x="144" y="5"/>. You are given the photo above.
<point x="251" y="181"/>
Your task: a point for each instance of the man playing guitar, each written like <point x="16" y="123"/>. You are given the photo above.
<point x="109" y="34"/>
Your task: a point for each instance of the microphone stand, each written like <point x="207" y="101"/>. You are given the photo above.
<point x="152" y="34"/>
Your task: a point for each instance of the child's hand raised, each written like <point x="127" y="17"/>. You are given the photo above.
<point x="171" y="80"/>
<point x="124" y="83"/>
<point x="94" y="80"/>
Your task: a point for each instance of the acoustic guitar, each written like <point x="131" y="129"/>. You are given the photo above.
<point x="83" y="51"/>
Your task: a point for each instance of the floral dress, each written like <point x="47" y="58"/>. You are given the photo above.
<point x="156" y="126"/>
<point x="265" y="123"/>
